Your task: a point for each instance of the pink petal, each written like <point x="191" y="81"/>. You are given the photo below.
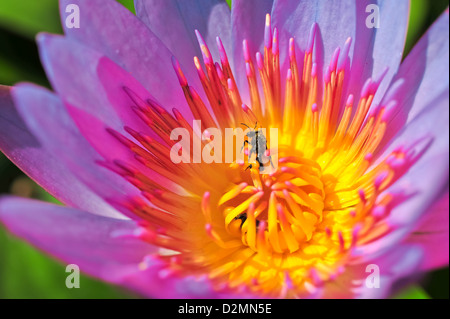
<point x="401" y="263"/>
<point x="425" y="133"/>
<point x="432" y="235"/>
<point x="104" y="103"/>
<point x="427" y="140"/>
<point x="73" y="236"/>
<point x="63" y="59"/>
<point x="39" y="161"/>
<point x="98" y="246"/>
<point x="156" y="281"/>
<point x="49" y="122"/>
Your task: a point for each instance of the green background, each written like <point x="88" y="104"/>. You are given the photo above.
<point x="28" y="273"/>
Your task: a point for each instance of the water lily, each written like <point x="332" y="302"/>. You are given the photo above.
<point x="362" y="177"/>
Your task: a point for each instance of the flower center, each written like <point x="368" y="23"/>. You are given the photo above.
<point x="280" y="233"/>
<point x="279" y="211"/>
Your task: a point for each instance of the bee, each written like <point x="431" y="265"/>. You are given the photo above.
<point x="258" y="143"/>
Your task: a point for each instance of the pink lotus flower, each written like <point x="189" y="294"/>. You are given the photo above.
<point x="362" y="179"/>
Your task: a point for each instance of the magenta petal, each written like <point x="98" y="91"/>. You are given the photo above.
<point x="38" y="160"/>
<point x="113" y="30"/>
<point x="432" y="235"/>
<point x="73" y="236"/>
<point x="174" y="22"/>
<point x="247" y="19"/>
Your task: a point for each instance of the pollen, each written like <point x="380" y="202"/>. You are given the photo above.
<point x="287" y="232"/>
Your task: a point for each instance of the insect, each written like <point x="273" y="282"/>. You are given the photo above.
<point x="243" y="218"/>
<point x="258" y="143"/>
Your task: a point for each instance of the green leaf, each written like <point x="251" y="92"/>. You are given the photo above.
<point x="417" y="19"/>
<point x="412" y="292"/>
<point x="129" y="4"/>
<point x="28" y="17"/>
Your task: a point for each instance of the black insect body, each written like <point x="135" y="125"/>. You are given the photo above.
<point x="243" y="218"/>
<point x="258" y="143"/>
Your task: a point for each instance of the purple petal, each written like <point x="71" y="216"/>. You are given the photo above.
<point x="247" y="20"/>
<point x="423" y="77"/>
<point x="63" y="61"/>
<point x="174" y="22"/>
<point x="335" y="20"/>
<point x="357" y="278"/>
<point x="74" y="236"/>
<point x="111" y="29"/>
<point x="38" y="161"/>
<point x="378" y="48"/>
<point x="103" y="104"/>
<point x="432" y="235"/>
<point x="402" y="262"/>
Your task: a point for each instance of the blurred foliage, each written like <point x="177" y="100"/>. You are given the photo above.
<point x="28" y="273"/>
<point x="413" y="292"/>
<point x="28" y="17"/>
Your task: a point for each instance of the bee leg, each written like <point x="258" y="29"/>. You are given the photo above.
<point x="245" y="142"/>
<point x="271" y="163"/>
